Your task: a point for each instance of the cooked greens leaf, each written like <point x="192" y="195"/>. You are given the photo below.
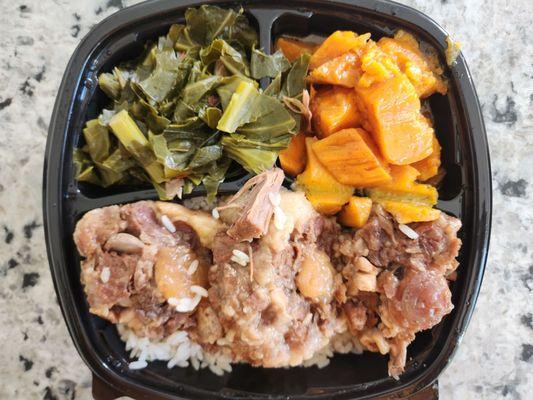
<point x="97" y="139"/>
<point x="239" y="111"/>
<point x="229" y="86"/>
<point x="109" y="84"/>
<point x="131" y="137"/>
<point x="264" y="65"/>
<point x="189" y="105"/>
<point x="113" y="169"/>
<point x="274" y="88"/>
<point x="254" y="160"/>
<point x="205" y="155"/>
<point x="84" y="170"/>
<point x="220" y="50"/>
<point x="295" y="82"/>
<point x="193" y="92"/>
<point x="143" y="111"/>
<point x="214" y="177"/>
<point x="209" y="22"/>
<point x="210" y="115"/>
<point x="167" y="70"/>
<point x="248" y="106"/>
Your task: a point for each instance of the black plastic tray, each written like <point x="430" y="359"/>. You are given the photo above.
<point x="466" y="193"/>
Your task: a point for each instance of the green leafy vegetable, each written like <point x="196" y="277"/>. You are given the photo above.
<point x="234" y="61"/>
<point x="264" y="65"/>
<point x="97" y="139"/>
<point x="254" y="160"/>
<point x="295" y="82"/>
<point x="190" y="106"/>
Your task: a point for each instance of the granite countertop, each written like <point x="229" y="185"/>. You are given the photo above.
<point x="495" y="358"/>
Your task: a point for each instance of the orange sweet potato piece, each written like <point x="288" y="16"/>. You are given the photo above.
<point x="294" y="48"/>
<point x="334" y="109"/>
<point x="352" y="158"/>
<point x="293" y="158"/>
<point x="325" y="193"/>
<point x="404" y="188"/>
<point x="405" y="213"/>
<point x="392" y="113"/>
<point x="376" y="65"/>
<point x="423" y="71"/>
<point x="356" y="212"/>
<point x="429" y="166"/>
<point x="344" y="70"/>
<point x="336" y="44"/>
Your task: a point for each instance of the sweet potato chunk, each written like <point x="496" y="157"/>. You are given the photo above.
<point x="334" y="109"/>
<point x="405" y="213"/>
<point x="344" y="70"/>
<point x="403" y="188"/>
<point x="429" y="166"/>
<point x="376" y="65"/>
<point x="356" y="212"/>
<point x="336" y="44"/>
<point x="325" y="193"/>
<point x="422" y="71"/>
<point x="294" y="48"/>
<point x="293" y="158"/>
<point x="352" y="158"/>
<point x="392" y="111"/>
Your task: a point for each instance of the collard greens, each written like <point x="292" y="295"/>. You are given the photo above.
<point x="190" y="106"/>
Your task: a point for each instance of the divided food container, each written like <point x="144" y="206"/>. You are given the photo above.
<point x="465" y="193"/>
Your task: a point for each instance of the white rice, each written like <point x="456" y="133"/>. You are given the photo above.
<point x="200" y="291"/>
<point x="280" y="219"/>
<point x="180" y="351"/>
<point x="167" y="223"/>
<point x="215" y="213"/>
<point x="407" y="231"/>
<point x="341" y="343"/>
<point x="185" y="304"/>
<point x="139" y="364"/>
<point x="240" y="257"/>
<point x="193" y="266"/>
<point x="105" y="274"/>
<point x="177" y="349"/>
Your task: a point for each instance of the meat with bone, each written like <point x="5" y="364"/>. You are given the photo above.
<point x="281" y="314"/>
<point x="126" y="273"/>
<point x="409" y="290"/>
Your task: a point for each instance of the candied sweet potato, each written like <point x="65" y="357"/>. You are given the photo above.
<point x="352" y="158"/>
<point x="344" y="70"/>
<point x="376" y="65"/>
<point x="325" y="193"/>
<point x="405" y="213"/>
<point x="423" y="72"/>
<point x="336" y="44"/>
<point x="293" y="158"/>
<point x="404" y="188"/>
<point x="334" y="109"/>
<point x="294" y="48"/>
<point x="429" y="166"/>
<point x="356" y="212"/>
<point x="392" y="113"/>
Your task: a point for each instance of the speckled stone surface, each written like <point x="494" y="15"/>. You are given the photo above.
<point x="495" y="359"/>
